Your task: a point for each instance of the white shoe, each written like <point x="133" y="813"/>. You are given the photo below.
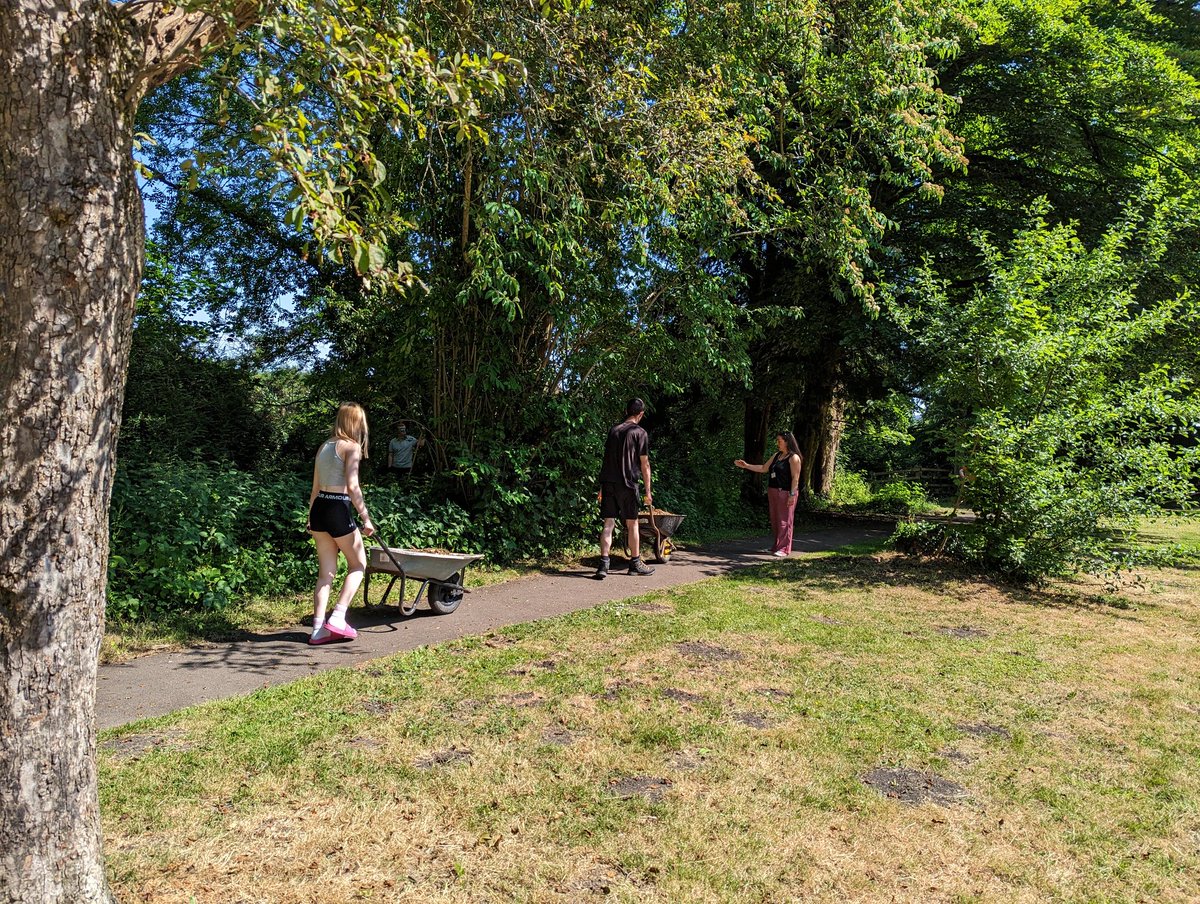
<point x="780" y="554"/>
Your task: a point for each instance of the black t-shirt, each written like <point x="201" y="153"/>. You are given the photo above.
<point x="626" y="444"/>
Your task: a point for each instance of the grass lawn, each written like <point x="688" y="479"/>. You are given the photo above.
<point x="707" y="743"/>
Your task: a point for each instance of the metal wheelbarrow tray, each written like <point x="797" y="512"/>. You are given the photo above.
<point x="657" y="529"/>
<point x="441" y="573"/>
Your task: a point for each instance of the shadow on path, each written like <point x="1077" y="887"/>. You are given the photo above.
<point x="162" y="683"/>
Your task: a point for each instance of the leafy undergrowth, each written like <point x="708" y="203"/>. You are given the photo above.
<point x="709" y="743"/>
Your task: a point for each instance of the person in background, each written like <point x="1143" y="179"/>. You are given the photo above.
<point x="401" y="450"/>
<point x="626" y="455"/>
<point x="334" y="488"/>
<point x="783" y="487"/>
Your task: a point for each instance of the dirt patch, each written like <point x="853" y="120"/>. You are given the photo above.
<point x="962" y="632"/>
<point x="826" y="620"/>
<point x="529" y="668"/>
<point x="954" y="756"/>
<point x="679" y="696"/>
<point x="376" y="707"/>
<point x="528" y="698"/>
<point x="913" y="786"/>
<point x="652" y="608"/>
<point x="687" y="760"/>
<point x="774" y="693"/>
<point x="608" y="880"/>
<point x="753" y="720"/>
<point x="444" y="758"/>
<point x="698" y="649"/>
<point x="133" y="747"/>
<point x="984" y="730"/>
<point x="498" y="641"/>
<point x="601" y="882"/>
<point x="559" y="736"/>
<point x="362" y="742"/>
<point x="644" y="786"/>
<point x="613" y="690"/>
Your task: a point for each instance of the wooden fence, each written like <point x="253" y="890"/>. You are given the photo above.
<point x="936" y="481"/>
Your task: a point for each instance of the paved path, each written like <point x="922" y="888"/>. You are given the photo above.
<point x="162" y="683"/>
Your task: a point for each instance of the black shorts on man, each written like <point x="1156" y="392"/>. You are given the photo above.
<point x="618" y="501"/>
<point x="330" y="514"/>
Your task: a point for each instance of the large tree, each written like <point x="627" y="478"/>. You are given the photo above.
<point x="72" y="73"/>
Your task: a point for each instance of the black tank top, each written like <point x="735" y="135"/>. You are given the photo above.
<point x="781" y="472"/>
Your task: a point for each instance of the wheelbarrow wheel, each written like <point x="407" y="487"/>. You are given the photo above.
<point x="662" y="550"/>
<point x="444" y="600"/>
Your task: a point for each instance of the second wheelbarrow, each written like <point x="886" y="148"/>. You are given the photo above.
<point x="657" y="527"/>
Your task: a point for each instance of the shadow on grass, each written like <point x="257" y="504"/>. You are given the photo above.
<point x="858" y="572"/>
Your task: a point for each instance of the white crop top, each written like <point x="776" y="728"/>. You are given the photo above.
<point x="331" y="470"/>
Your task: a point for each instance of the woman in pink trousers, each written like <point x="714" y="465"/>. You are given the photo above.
<point x="783" y="485"/>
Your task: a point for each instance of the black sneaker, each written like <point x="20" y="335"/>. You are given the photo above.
<point x="602" y="571"/>
<point x="637" y="566"/>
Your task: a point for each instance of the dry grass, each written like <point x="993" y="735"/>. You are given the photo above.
<point x="357" y="784"/>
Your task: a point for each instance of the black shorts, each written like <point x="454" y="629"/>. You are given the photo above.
<point x="618" y="501"/>
<point x="330" y="514"/>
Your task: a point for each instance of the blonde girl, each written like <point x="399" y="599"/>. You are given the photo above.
<point x="335" y="487"/>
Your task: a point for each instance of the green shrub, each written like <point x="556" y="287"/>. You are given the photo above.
<point x="900" y="498"/>
<point x="198" y="536"/>
<point x="1056" y="389"/>
<point x="849" y="490"/>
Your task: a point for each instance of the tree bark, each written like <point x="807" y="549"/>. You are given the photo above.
<point x="71" y="252"/>
<point x="820" y="437"/>
<point x="70" y="265"/>
<point x="820" y="415"/>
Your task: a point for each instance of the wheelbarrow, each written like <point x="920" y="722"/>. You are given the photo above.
<point x="657" y="528"/>
<point x="439" y="573"/>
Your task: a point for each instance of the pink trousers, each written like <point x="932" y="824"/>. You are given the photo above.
<point x="783" y="515"/>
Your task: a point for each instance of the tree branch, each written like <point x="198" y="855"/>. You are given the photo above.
<point x="177" y="39"/>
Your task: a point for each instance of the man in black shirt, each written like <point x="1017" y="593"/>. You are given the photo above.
<point x="626" y="454"/>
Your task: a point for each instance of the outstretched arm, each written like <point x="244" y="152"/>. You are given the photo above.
<point x="757" y="469"/>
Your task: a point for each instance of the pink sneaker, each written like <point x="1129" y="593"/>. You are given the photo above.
<point x="343" y="631"/>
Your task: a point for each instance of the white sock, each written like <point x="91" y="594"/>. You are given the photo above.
<point x="318" y="625"/>
<point x="338" y="617"/>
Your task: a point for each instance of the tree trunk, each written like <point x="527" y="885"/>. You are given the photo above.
<point x="820" y="414"/>
<point x="71" y="240"/>
<point x="830" y="419"/>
